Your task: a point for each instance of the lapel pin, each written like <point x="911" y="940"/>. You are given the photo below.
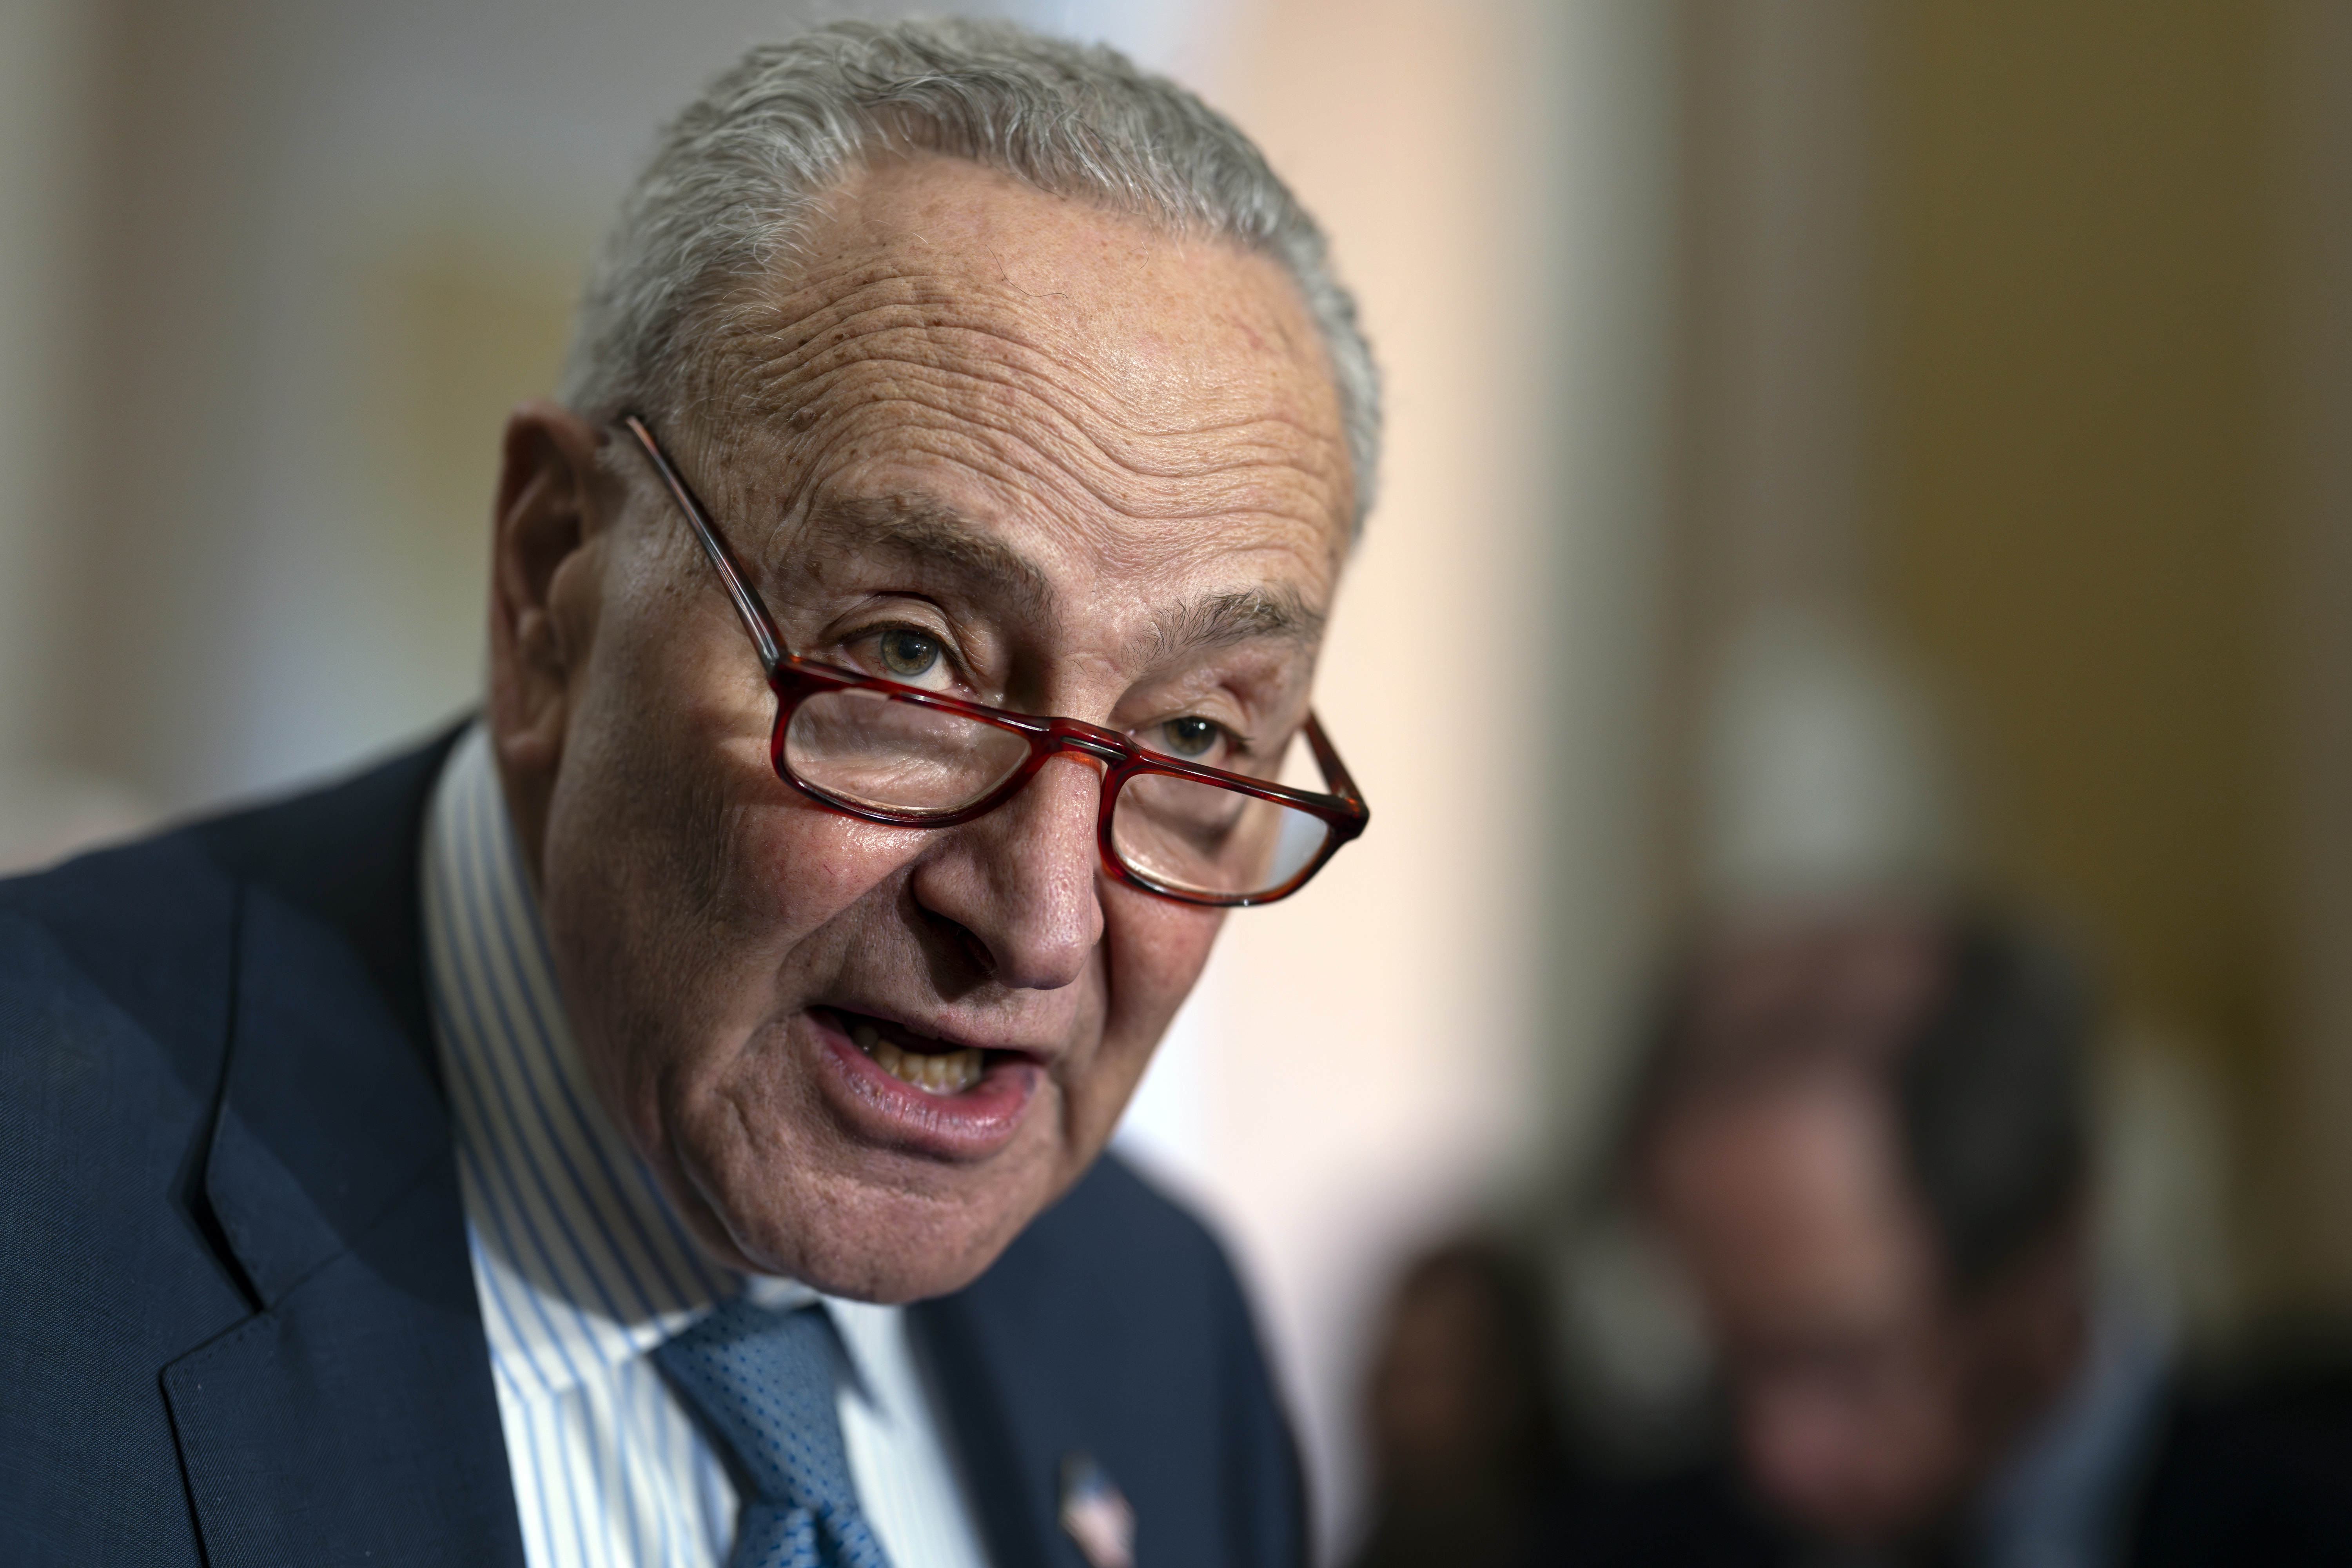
<point x="1095" y="1513"/>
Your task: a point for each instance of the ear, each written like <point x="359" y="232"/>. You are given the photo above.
<point x="542" y="597"/>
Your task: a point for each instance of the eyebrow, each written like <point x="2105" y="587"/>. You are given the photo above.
<point x="927" y="533"/>
<point x="1221" y="620"/>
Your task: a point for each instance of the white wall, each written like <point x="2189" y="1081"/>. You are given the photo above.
<point x="46" y="49"/>
<point x="49" y="54"/>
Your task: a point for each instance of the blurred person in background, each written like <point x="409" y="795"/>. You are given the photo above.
<point x="1866" y="1138"/>
<point x="522" y="1152"/>
<point x="1467" y="1452"/>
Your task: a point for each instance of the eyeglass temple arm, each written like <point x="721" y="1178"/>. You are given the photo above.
<point x="764" y="635"/>
<point x="1334" y="770"/>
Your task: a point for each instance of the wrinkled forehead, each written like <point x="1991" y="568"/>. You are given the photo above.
<point x="944" y="337"/>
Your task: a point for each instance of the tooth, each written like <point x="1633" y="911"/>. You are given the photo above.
<point x="942" y="1073"/>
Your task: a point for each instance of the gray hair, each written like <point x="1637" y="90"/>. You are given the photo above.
<point x="737" y="176"/>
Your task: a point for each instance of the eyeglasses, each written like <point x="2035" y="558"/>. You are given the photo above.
<point x="887" y="752"/>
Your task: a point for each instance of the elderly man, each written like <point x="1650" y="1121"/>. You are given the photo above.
<point x="902" y="631"/>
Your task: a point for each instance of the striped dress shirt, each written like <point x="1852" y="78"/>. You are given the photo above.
<point x="583" y="1268"/>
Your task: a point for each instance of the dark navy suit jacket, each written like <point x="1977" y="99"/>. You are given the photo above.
<point x="238" y="1318"/>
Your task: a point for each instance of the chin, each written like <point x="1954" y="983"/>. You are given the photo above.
<point x="870" y="1239"/>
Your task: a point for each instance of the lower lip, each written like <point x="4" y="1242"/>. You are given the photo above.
<point x="973" y="1125"/>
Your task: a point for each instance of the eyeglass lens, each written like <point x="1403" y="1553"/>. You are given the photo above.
<point x="866" y="748"/>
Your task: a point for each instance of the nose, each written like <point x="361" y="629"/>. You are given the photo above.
<point x="1020" y="880"/>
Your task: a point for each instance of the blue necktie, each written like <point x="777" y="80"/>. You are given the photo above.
<point x="762" y="1381"/>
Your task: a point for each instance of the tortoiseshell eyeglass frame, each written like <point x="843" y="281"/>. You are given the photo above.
<point x="794" y="679"/>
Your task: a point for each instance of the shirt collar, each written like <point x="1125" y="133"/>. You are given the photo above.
<point x="581" y="1260"/>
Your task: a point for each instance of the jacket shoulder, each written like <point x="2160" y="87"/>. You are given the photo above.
<point x="123" y="977"/>
<point x="144" y="929"/>
<point x="149" y="925"/>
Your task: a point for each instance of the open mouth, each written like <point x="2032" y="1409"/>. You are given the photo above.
<point x="898" y="1087"/>
<point x="932" y="1065"/>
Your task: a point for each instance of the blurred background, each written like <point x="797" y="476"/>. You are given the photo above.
<point x="1834" y="446"/>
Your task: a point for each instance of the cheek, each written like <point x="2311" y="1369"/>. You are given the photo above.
<point x="1155" y="952"/>
<point x="792" y="866"/>
<point x="686" y="887"/>
<point x="676" y="787"/>
<point x="1152" y="951"/>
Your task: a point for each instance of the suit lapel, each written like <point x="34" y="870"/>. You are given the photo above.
<point x="353" y="1417"/>
<point x="1010" y="1432"/>
<point x="330" y="1110"/>
<point x="1105" y="1368"/>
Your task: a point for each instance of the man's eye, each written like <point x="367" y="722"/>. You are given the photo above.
<point x="907" y="653"/>
<point x="1191" y="738"/>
